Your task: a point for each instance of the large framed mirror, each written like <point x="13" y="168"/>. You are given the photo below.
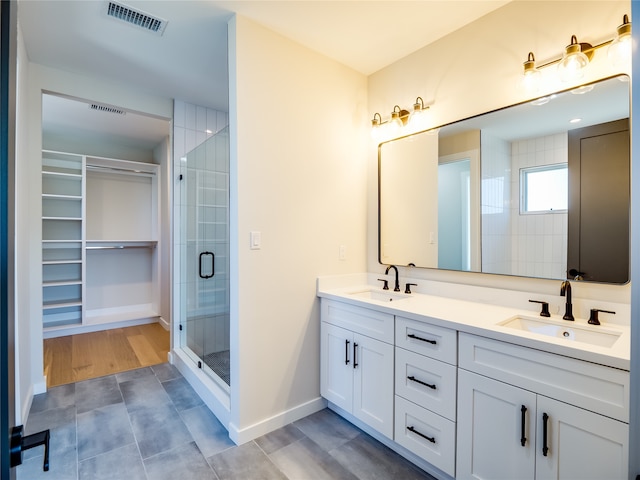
<point x="539" y="189"/>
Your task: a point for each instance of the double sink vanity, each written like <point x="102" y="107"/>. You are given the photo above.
<point x="477" y="389"/>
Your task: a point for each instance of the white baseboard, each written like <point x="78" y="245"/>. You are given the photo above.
<point x="164" y="323"/>
<point x="240" y="436"/>
<point x="74" y="330"/>
<point x="40" y="387"/>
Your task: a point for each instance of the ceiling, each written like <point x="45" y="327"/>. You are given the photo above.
<point x="189" y="61"/>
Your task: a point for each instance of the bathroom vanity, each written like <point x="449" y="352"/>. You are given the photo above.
<point x="471" y="390"/>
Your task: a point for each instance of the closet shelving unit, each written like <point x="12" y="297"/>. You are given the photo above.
<point x="100" y="243"/>
<point x="63" y="189"/>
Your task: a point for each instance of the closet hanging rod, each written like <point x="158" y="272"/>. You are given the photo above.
<point x="120" y="170"/>
<point x="119" y="247"/>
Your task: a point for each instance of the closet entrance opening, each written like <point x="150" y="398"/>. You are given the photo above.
<point x="105" y="238"/>
<point x="202" y="214"/>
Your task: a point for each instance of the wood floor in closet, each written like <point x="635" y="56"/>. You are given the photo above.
<point x="90" y="355"/>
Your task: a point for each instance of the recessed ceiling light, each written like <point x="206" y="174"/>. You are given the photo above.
<point x="575" y="120"/>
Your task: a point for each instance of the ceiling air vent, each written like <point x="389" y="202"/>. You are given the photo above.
<point x="136" y="17"/>
<point x="107" y="109"/>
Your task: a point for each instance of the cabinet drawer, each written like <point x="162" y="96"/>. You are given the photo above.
<point x="370" y="323"/>
<point x="601" y="389"/>
<point x="435" y="342"/>
<point x="426" y="382"/>
<point x="426" y="434"/>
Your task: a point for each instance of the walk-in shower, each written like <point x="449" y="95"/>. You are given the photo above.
<point x="201" y="238"/>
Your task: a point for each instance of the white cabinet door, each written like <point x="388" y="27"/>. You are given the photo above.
<point x="490" y="430"/>
<point x="581" y="444"/>
<point x="336" y="370"/>
<point x="373" y="383"/>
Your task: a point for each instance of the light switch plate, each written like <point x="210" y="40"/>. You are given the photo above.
<point x="256" y="240"/>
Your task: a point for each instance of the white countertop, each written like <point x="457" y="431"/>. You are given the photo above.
<point x="484" y="319"/>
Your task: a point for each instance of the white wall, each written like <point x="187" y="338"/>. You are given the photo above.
<point x="297" y="122"/>
<point x="478" y="69"/>
<point x="24" y="307"/>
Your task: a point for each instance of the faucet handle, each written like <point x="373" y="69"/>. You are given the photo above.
<point x="385" y="285"/>
<point x="407" y="288"/>
<point x="593" y="316"/>
<point x="545" y="308"/>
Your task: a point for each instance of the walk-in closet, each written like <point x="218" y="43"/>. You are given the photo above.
<point x="105" y="246"/>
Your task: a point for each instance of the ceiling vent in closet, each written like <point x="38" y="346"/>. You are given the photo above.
<point x="106" y="108"/>
<point x="136" y="17"/>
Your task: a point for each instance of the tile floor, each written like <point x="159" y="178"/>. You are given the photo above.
<point x="149" y="424"/>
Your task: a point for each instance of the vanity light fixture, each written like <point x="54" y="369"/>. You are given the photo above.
<point x="392" y="128"/>
<point x="577" y="56"/>
<point x="418" y="116"/>
<point x="531" y="77"/>
<point x="619" y="50"/>
<point x="574" y="60"/>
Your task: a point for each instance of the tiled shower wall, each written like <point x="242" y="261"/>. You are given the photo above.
<point x="533" y="245"/>
<point x="539" y="241"/>
<point x="193" y="125"/>
<point x="495" y="205"/>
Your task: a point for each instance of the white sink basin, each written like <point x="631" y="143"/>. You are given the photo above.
<point x="379" y="295"/>
<point x="563" y="329"/>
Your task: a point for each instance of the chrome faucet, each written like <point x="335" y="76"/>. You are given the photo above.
<point x="397" y="284"/>
<point x="565" y="291"/>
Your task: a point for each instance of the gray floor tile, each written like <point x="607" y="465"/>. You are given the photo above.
<point x="56" y="397"/>
<point x="181" y="393"/>
<point x="166" y="371"/>
<point x="51" y="419"/>
<point x="247" y="461"/>
<point x="277" y="439"/>
<point x="96" y="393"/>
<point x="149" y="424"/>
<point x="102" y="430"/>
<point x="185" y="462"/>
<point x="305" y="460"/>
<point x="134" y="374"/>
<point x="61" y="467"/>
<point x="327" y="429"/>
<point x="368" y="459"/>
<point x="158" y="428"/>
<point x="209" y="434"/>
<point x="144" y="391"/>
<point x="121" y="463"/>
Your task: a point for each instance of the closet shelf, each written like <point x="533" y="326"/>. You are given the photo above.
<point x="57" y="196"/>
<point x="62" y="174"/>
<point x="62" y="218"/>
<point x="61" y="283"/>
<point x="119" y="245"/>
<point x="70" y="303"/>
<point x="60" y="262"/>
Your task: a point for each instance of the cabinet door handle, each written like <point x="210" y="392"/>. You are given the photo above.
<point x="346" y="352"/>
<point x="415" y="337"/>
<point x="545" y="448"/>
<point x="523" y="439"/>
<point x="413" y="430"/>
<point x="355" y="358"/>
<point x="414" y="379"/>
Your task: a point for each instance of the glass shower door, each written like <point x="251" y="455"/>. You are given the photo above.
<point x="204" y="312"/>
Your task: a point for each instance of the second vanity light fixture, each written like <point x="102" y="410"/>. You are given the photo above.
<point x="577" y="56"/>
<point x="400" y="120"/>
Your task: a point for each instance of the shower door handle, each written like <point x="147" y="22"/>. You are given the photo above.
<point x="202" y="257"/>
